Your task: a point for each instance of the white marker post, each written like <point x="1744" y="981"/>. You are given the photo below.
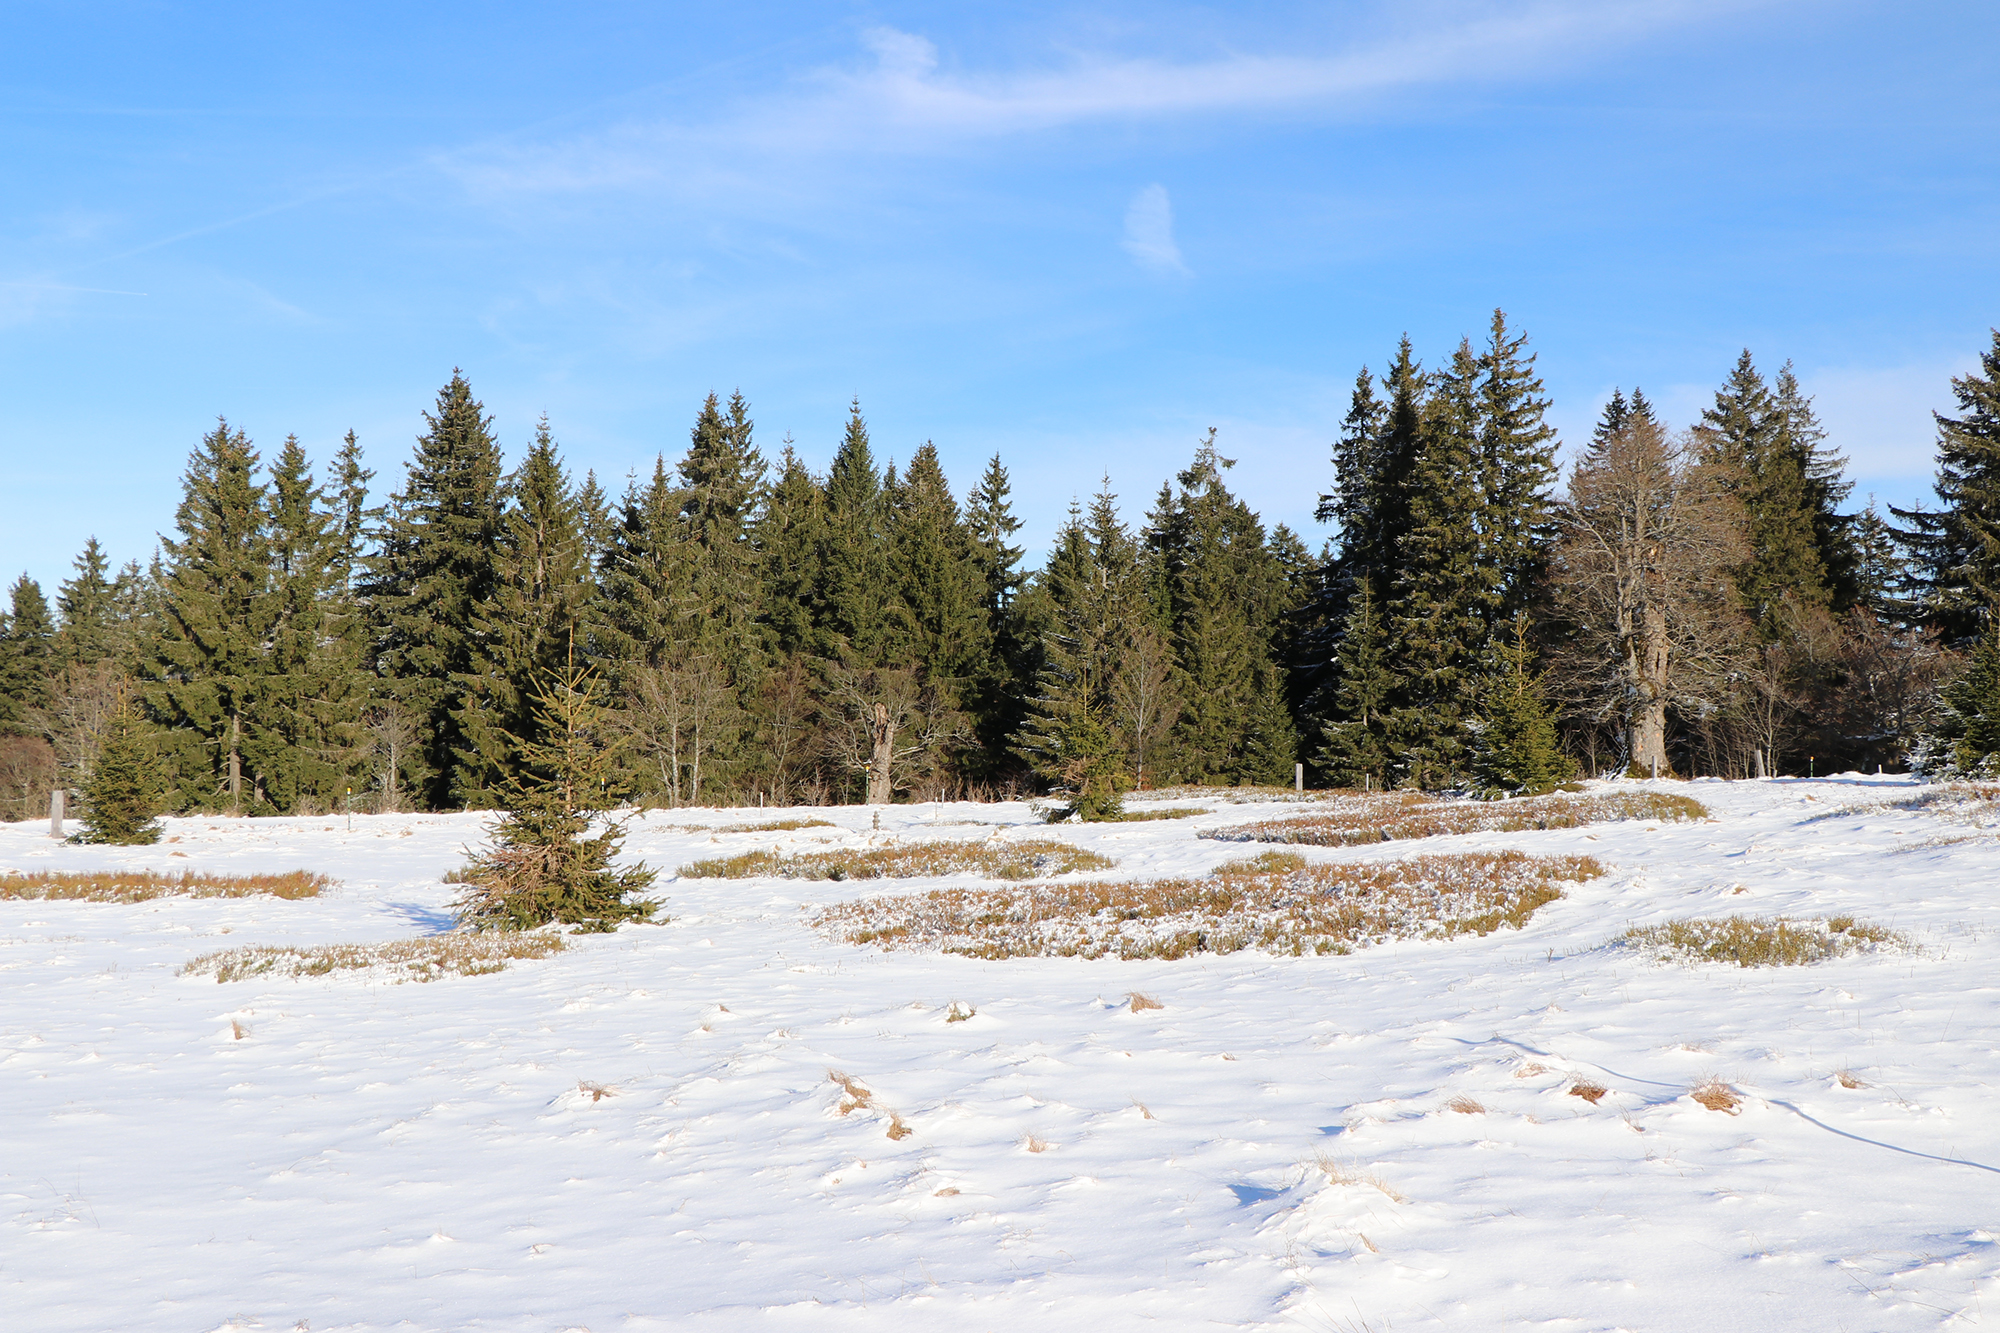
<point x="1298" y="777"/>
<point x="56" y="813"/>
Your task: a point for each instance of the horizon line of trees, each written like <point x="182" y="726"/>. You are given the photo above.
<point x="1692" y="602"/>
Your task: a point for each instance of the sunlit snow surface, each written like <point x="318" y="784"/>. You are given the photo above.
<point x="419" y="1156"/>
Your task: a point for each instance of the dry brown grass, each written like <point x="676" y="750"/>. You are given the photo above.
<point x="1530" y="1069"/>
<point x="1465" y="1106"/>
<point x="1033" y="1144"/>
<point x="1141" y="1003"/>
<point x="597" y="1092"/>
<point x="1849" y="1079"/>
<point x="1327" y="909"/>
<point x="776" y="826"/>
<point x="857" y="1096"/>
<point x="1343" y="1173"/>
<point x="1171" y="812"/>
<point x="1716" y="1095"/>
<point x="1750" y="941"/>
<point x="1396" y="816"/>
<point x="461" y="954"/>
<point x="914" y="860"/>
<point x="137" y="886"/>
<point x="1588" y="1090"/>
<point x="960" y="1013"/>
<point x="1264" y="863"/>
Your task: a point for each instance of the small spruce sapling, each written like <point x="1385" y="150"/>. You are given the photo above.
<point x="541" y="866"/>
<point x="121" y="797"/>
<point x="1515" y="751"/>
<point x="1089" y="769"/>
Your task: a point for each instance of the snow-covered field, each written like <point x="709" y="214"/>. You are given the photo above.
<point x="421" y="1156"/>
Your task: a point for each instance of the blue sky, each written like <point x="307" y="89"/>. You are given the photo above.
<point x="1077" y="235"/>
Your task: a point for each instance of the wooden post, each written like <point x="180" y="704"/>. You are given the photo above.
<point x="56" y="813"/>
<point x="1759" y="752"/>
<point x="1298" y="777"/>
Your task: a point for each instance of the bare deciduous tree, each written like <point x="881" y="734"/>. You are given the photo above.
<point x="1144" y="702"/>
<point x="1641" y="574"/>
<point x="891" y="725"/>
<point x="392" y="737"/>
<point x="82" y="701"/>
<point x="672" y="715"/>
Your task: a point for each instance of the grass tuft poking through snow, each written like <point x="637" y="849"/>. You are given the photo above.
<point x="425" y="959"/>
<point x="1716" y="1095"/>
<point x="1395" y="816"/>
<point x="1750" y="941"/>
<point x="137" y="886"/>
<point x="916" y="860"/>
<point x="1328" y="908"/>
<point x="1341" y="1173"/>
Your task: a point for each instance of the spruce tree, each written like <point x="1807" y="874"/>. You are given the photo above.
<point x="1222" y="595"/>
<point x="1955" y="548"/>
<point x="88" y="603"/>
<point x="1066" y="739"/>
<point x="860" y="621"/>
<point x="935" y="568"/>
<point x="1756" y="443"/>
<point x="211" y="664"/>
<point x="27" y="638"/>
<point x="1442" y="594"/>
<point x="1515" y="751"/>
<point x="1824" y="486"/>
<point x="1966" y="742"/>
<point x="349" y="500"/>
<point x="433" y="568"/>
<point x="1003" y="678"/>
<point x="525" y="626"/>
<point x="304" y="737"/>
<point x="122" y="796"/>
<point x="1517" y="450"/>
<point x="1355" y="752"/>
<point x="543" y="866"/>
<point x="789" y="535"/>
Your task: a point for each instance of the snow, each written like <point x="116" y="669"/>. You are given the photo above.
<point x="434" y="1157"/>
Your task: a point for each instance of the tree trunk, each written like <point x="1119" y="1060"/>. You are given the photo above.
<point x="882" y="741"/>
<point x="235" y="765"/>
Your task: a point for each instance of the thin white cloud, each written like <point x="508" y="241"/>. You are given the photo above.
<point x="1149" y="231"/>
<point x="903" y="101"/>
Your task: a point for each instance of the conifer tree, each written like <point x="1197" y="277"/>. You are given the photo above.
<point x="1066" y="739"/>
<point x="543" y="866"/>
<point x="304" y="735"/>
<point x="1221" y="595"/>
<point x="1752" y="440"/>
<point x="211" y="665"/>
<point x="349" y="499"/>
<point x="27" y="638"/>
<point x="937" y="574"/>
<point x="1966" y="740"/>
<point x="1440" y="597"/>
<point x="1517" y="450"/>
<point x="1956" y="547"/>
<point x="122" y="796"/>
<point x="723" y="660"/>
<point x="860" y="620"/>
<point x="433" y="568"/>
<point x="789" y="535"/>
<point x="1003" y="677"/>
<point x="1824" y="485"/>
<point x="523" y="630"/>
<point x="1515" y="751"/>
<point x="1356" y="749"/>
<point x="88" y="602"/>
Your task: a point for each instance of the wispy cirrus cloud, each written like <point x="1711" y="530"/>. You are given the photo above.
<point x="1149" y="231"/>
<point x="905" y="100"/>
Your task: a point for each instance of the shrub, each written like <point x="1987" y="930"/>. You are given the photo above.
<point x="426" y="959"/>
<point x="1401" y="815"/>
<point x="916" y="860"/>
<point x="1762" y="941"/>
<point x="1327" y="908"/>
<point x="122" y="796"/>
<point x="136" y="886"/>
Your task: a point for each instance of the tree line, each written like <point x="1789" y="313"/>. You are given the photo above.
<point x="1699" y="601"/>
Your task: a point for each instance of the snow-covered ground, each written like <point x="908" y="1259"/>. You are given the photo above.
<point x="420" y="1156"/>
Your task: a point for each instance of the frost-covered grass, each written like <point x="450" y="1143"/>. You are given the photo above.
<point x="911" y="860"/>
<point x="1274" y="906"/>
<point x="1751" y="941"/>
<point x="424" y="959"/>
<point x="137" y="886"/>
<point x="1395" y="816"/>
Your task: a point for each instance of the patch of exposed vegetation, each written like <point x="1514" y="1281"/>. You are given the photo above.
<point x="137" y="886"/>
<point x="1171" y="812"/>
<point x="1395" y="816"/>
<point x="776" y="826"/>
<point x="912" y="860"/>
<point x="1320" y="909"/>
<point x="461" y="953"/>
<point x="1751" y="941"/>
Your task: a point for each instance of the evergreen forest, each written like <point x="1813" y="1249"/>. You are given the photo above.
<point x="1693" y="600"/>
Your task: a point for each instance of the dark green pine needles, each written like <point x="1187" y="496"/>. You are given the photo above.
<point x="542" y="866"/>
<point x="121" y="798"/>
